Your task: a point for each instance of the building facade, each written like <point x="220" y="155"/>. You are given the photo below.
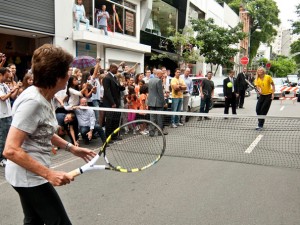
<point x="136" y="29"/>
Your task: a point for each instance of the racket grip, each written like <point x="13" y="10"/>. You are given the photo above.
<point x="74" y="173"/>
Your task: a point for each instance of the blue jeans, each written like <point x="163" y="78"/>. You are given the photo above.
<point x="97" y="129"/>
<point x="96" y="103"/>
<point x="176" y="107"/>
<point x="4" y="128"/>
<point x="79" y="18"/>
<point x="104" y="28"/>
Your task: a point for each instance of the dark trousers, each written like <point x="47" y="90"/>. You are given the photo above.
<point x="240" y="99"/>
<point x="205" y="104"/>
<point x="156" y="118"/>
<point x="230" y="101"/>
<point x="112" y="120"/>
<point x="97" y="129"/>
<point x="262" y="107"/>
<point x="42" y="205"/>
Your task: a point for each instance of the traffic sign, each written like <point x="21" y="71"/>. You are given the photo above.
<point x="244" y="60"/>
<point x="268" y="65"/>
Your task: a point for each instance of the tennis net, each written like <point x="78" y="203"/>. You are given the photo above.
<point x="222" y="137"/>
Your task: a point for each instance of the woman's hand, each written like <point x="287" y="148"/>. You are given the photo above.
<point x="84" y="153"/>
<point x="58" y="178"/>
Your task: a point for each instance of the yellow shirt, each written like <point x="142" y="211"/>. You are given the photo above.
<point x="264" y="84"/>
<point x="175" y="81"/>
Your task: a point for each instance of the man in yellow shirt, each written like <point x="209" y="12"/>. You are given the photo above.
<point x="265" y="86"/>
<point x="178" y="86"/>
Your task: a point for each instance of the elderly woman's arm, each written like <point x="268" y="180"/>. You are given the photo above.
<point x="15" y="153"/>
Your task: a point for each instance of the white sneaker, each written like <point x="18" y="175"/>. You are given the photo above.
<point x="173" y="125"/>
<point x="179" y="124"/>
<point x="143" y="133"/>
<point x="134" y="131"/>
<point x="3" y="163"/>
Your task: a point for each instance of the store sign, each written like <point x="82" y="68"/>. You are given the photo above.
<point x="129" y="21"/>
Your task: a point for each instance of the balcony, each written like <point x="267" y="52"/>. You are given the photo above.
<point x="113" y="40"/>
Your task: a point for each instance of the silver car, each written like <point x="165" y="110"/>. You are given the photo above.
<point x="218" y="98"/>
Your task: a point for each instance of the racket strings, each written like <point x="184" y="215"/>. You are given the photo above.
<point x="135" y="151"/>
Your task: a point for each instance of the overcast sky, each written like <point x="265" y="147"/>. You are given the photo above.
<point x="287" y="11"/>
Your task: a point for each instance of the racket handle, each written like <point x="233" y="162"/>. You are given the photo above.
<point x="74" y="173"/>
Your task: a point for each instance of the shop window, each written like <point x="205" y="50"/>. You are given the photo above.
<point x="86" y="49"/>
<point x="163" y="19"/>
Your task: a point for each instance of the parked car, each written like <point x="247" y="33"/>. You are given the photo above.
<point x="195" y="99"/>
<point x="279" y="84"/>
<point x="218" y="98"/>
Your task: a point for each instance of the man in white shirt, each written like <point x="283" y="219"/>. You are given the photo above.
<point x="5" y="109"/>
<point x="186" y="93"/>
<point x="87" y="123"/>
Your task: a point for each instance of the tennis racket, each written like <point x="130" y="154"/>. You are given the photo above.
<point x="135" y="152"/>
<point x="252" y="86"/>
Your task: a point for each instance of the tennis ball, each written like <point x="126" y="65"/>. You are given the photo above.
<point x="229" y="84"/>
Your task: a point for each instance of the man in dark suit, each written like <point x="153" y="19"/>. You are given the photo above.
<point x="241" y="88"/>
<point x="230" y="92"/>
<point x="112" y="99"/>
<point x="156" y="100"/>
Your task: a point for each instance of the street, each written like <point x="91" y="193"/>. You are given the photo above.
<point x="185" y="188"/>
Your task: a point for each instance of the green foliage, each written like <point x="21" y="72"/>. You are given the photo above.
<point x="184" y="45"/>
<point x="282" y="66"/>
<point x="217" y="41"/>
<point x="295" y="48"/>
<point x="264" y="14"/>
<point x="296" y="24"/>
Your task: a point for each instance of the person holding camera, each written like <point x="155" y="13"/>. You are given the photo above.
<point x="5" y="105"/>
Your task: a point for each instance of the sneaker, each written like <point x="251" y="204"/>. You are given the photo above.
<point x="134" y="132"/>
<point x="199" y="118"/>
<point x="3" y="163"/>
<point x="179" y="124"/>
<point x="173" y="125"/>
<point x="258" y="128"/>
<point x="143" y="132"/>
<point x="207" y="118"/>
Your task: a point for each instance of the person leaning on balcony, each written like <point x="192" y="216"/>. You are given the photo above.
<point x="102" y="18"/>
<point x="79" y="15"/>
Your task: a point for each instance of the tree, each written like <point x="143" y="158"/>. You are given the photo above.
<point x="295" y="47"/>
<point x="264" y="15"/>
<point x="183" y="44"/>
<point x="282" y="66"/>
<point x="218" y="42"/>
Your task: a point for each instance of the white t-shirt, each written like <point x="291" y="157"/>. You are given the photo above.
<point x="33" y="114"/>
<point x="5" y="107"/>
<point x="74" y="97"/>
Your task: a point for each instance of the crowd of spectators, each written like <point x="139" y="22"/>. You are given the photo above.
<point x="118" y="86"/>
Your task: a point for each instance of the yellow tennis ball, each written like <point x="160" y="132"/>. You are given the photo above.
<point x="229" y="84"/>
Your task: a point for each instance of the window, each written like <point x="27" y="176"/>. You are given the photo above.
<point x="122" y="16"/>
<point x="86" y="49"/>
<point x="162" y="18"/>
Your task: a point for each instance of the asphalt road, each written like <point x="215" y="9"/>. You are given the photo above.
<point x="215" y="186"/>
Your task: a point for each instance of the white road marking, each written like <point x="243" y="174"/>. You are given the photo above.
<point x="253" y="144"/>
<point x="282" y="108"/>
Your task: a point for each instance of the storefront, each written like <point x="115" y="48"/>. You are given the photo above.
<point x="166" y="17"/>
<point x="24" y="26"/>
